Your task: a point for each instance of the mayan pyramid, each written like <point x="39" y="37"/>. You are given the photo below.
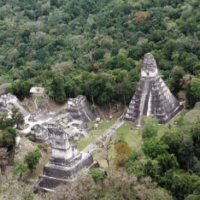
<point x="152" y="97"/>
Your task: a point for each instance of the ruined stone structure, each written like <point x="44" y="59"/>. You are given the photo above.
<point x="78" y="109"/>
<point x="73" y="120"/>
<point x="75" y="117"/>
<point x="40" y="114"/>
<point x="40" y="133"/>
<point x="152" y="97"/>
<point x="37" y="91"/>
<point x="8" y="101"/>
<point x="39" y="96"/>
<point x="65" y="162"/>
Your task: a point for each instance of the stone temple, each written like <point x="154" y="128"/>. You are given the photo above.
<point x="152" y="97"/>
<point x="73" y="120"/>
<point x="75" y="117"/>
<point x="58" y="129"/>
<point x="65" y="161"/>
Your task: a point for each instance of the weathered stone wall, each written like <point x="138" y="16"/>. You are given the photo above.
<point x="39" y="133"/>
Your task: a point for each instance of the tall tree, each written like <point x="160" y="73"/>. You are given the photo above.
<point x="32" y="158"/>
<point x="17" y="117"/>
<point x="104" y="144"/>
<point x="123" y="151"/>
<point x="58" y="89"/>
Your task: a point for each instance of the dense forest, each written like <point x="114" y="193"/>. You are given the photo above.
<point x="96" y="47"/>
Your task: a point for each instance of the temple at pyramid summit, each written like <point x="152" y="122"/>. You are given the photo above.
<point x="152" y="97"/>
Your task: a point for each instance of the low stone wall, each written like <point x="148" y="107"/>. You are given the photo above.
<point x="64" y="162"/>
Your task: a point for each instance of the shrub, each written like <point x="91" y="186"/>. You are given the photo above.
<point x="180" y="121"/>
<point x="120" y="139"/>
<point x="93" y="108"/>
<point x="19" y="168"/>
<point x="97" y="175"/>
<point x="9" y="89"/>
<point x="131" y="159"/>
<point x="6" y="123"/>
<point x="180" y="183"/>
<point x="140" y="17"/>
<point x="32" y="158"/>
<point x="31" y="138"/>
<point x="150" y="128"/>
<point x="7" y="137"/>
<point x="98" y="54"/>
<point x="123" y="152"/>
<point x="17" y="117"/>
<point x="43" y="147"/>
<point x="152" y="148"/>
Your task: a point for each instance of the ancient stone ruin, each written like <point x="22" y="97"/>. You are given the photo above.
<point x="75" y="117"/>
<point x="58" y="129"/>
<point x="152" y="97"/>
<point x="40" y="133"/>
<point x="65" y="161"/>
<point x="78" y="109"/>
<point x="72" y="119"/>
<point x="40" y="114"/>
<point x="8" y="101"/>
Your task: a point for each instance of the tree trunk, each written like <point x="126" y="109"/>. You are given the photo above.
<point x="108" y="163"/>
<point x="110" y="109"/>
<point x="93" y="99"/>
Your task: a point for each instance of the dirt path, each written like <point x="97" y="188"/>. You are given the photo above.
<point x="92" y="146"/>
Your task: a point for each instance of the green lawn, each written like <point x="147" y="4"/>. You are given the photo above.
<point x="103" y="127"/>
<point x="84" y="142"/>
<point x="162" y="129"/>
<point x="91" y="124"/>
<point x="132" y="137"/>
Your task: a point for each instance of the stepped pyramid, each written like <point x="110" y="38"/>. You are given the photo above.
<point x="65" y="161"/>
<point x="152" y="97"/>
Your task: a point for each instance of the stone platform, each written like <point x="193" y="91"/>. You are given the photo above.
<point x="54" y="174"/>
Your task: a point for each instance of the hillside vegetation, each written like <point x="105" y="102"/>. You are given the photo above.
<point x="96" y="47"/>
